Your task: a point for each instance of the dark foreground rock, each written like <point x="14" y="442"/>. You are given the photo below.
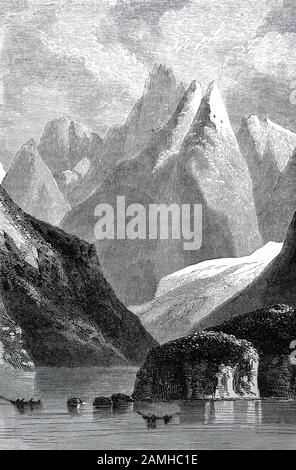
<point x="120" y="399"/>
<point x="204" y="365"/>
<point x="272" y="332"/>
<point x="100" y="402"/>
<point x="52" y="286"/>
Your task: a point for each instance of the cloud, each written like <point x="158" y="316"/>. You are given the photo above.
<point x="88" y="59"/>
<point x="281" y="19"/>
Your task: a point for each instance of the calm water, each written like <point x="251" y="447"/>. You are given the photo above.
<point x="199" y="425"/>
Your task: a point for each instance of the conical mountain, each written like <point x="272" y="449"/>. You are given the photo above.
<point x="32" y="186"/>
<point x="212" y="172"/>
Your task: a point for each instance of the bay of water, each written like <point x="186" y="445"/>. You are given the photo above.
<point x="241" y="424"/>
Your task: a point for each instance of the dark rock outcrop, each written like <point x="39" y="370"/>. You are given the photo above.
<point x="101" y="402"/>
<point x="204" y="365"/>
<point x="53" y="287"/>
<point x="271" y="331"/>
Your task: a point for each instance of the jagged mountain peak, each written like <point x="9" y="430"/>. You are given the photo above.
<point x="213" y="110"/>
<point x="160" y="76"/>
<point x="180" y="123"/>
<point x="270" y="140"/>
<point x="65" y="142"/>
<point x="65" y="123"/>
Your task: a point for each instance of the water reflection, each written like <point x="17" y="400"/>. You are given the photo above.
<point x="202" y="424"/>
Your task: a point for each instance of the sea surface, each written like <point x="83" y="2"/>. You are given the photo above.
<point x="241" y="424"/>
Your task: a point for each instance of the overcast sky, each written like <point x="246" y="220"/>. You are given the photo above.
<point x="88" y="59"/>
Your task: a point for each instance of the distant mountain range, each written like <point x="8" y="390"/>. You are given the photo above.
<point x="194" y="159"/>
<point x="79" y="159"/>
<point x="176" y="146"/>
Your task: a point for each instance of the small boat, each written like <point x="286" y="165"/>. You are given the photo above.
<point x="21" y="402"/>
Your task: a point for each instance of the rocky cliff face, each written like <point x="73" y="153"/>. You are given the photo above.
<point x="194" y="159"/>
<point x="13" y="356"/>
<point x="185" y="297"/>
<point x="275" y="285"/>
<point x="53" y="287"/>
<point x="271" y="331"/>
<point x="268" y="149"/>
<point x="204" y="365"/>
<point x="32" y="186"/>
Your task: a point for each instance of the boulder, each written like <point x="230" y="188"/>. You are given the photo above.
<point x="204" y="365"/>
<point x="272" y="331"/>
<point x="102" y="402"/>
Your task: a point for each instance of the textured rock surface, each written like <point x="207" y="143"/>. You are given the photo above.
<point x="31" y="185"/>
<point x="276" y="284"/>
<point x="53" y="287"/>
<point x="268" y="149"/>
<point x="271" y="331"/>
<point x="204" y="365"/>
<point x="13" y="356"/>
<point x="185" y="297"/>
<point x="194" y="159"/>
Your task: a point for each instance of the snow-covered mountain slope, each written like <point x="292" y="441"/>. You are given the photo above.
<point x="185" y="297"/>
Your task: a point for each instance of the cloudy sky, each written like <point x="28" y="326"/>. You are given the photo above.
<point x="88" y="59"/>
